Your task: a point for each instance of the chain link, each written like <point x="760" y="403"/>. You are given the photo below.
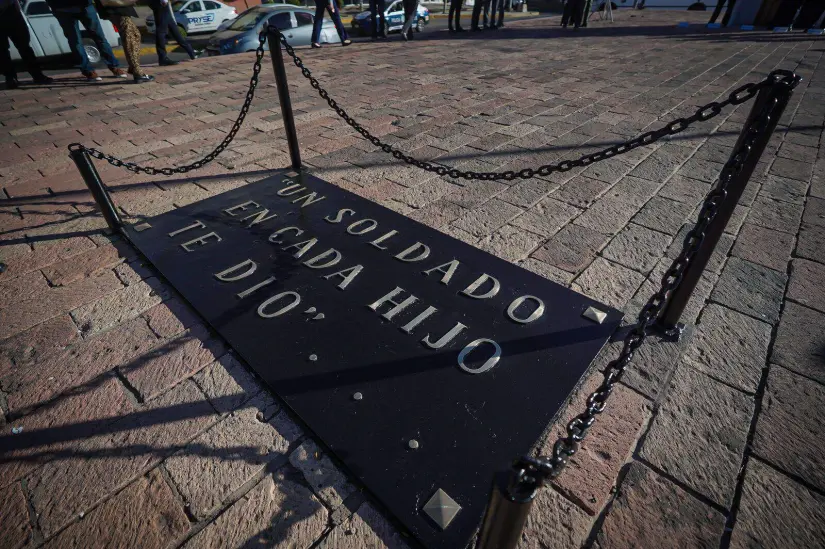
<point x="149" y="170"/>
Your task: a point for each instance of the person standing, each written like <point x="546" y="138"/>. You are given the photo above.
<point x="70" y="14"/>
<point x="121" y="16"/>
<point x="719" y="5"/>
<point x="13" y="27"/>
<point x="572" y="12"/>
<point x="588" y="5"/>
<point x="455" y="12"/>
<point x="332" y="8"/>
<point x="500" y="7"/>
<point x="477" y="9"/>
<point x="410" y="17"/>
<point x="165" y="23"/>
<point x="377" y="9"/>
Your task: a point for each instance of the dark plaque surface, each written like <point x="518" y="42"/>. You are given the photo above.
<point x="410" y="404"/>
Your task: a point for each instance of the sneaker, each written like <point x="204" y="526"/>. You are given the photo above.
<point x="198" y="53"/>
<point x="143" y="78"/>
<point x="92" y="76"/>
<point x="42" y="79"/>
<point x="167" y="63"/>
<point x="118" y="72"/>
<point x="316" y="45"/>
<point x="346" y="42"/>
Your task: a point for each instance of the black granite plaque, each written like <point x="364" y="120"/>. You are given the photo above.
<point x="382" y="335"/>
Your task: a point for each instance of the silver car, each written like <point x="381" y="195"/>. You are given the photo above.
<point x="295" y="22"/>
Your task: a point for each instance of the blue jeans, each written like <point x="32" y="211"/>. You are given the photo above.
<point x="320" y="6"/>
<point x="69" y="21"/>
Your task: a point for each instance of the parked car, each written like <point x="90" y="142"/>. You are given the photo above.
<point x="47" y="39"/>
<point x="197" y="16"/>
<point x="394" y="16"/>
<point x="242" y="35"/>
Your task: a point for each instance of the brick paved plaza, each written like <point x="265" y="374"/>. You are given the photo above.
<point x="127" y="423"/>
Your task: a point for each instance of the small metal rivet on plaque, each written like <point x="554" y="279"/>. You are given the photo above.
<point x="319" y="316"/>
<point x="595" y="315"/>
<point x="413" y="444"/>
<point x="292" y="174"/>
<point x="313" y="358"/>
<point x="442" y="508"/>
<point x="310" y="310"/>
<point x="357" y="396"/>
<point x="142" y="227"/>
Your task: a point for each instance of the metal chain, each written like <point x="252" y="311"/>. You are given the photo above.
<point x="532" y="471"/>
<point x="738" y="96"/>
<point x="136" y="168"/>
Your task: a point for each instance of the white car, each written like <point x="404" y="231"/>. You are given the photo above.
<point x="194" y="16"/>
<point x="47" y="39"/>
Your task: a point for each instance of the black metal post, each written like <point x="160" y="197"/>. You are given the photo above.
<point x="506" y="514"/>
<point x="781" y="93"/>
<point x="274" y="38"/>
<point x="92" y="179"/>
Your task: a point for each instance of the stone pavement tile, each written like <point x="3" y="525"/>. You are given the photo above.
<point x="327" y="481"/>
<point x="119" y="306"/>
<point x="777" y="512"/>
<point x="793" y="169"/>
<point x="88" y="263"/>
<point x="751" y="289"/>
<point x="784" y="189"/>
<point x="684" y="189"/>
<point x="701" y="169"/>
<point x="790" y="432"/>
<point x="21" y="288"/>
<point x="663" y="215"/>
<point x="30" y="345"/>
<point x="546" y="217"/>
<point x="554" y="523"/>
<point x="227" y="383"/>
<point x="278" y="512"/>
<point x="475" y="193"/>
<point x="572" y="248"/>
<point x="15" y="525"/>
<point x="775" y="214"/>
<point x="608" y="282"/>
<point x="528" y="192"/>
<point x="170" y="318"/>
<point x="650" y="511"/>
<point x="766" y="247"/>
<point x="173" y="361"/>
<point x="609" y="171"/>
<point x="807" y="284"/>
<point x="146" y="513"/>
<point x="799" y="344"/>
<point x="637" y="247"/>
<point x="44" y="254"/>
<point x="103" y="463"/>
<point x="699" y="433"/>
<point x="717" y="258"/>
<point x="608" y="215"/>
<point x="53" y="430"/>
<point x="730" y="347"/>
<point x="547" y="271"/>
<point x="510" y="243"/>
<point x="581" y="191"/>
<point x="486" y="219"/>
<point x="429" y="191"/>
<point x="659" y="166"/>
<point x="366" y="528"/>
<point x="591" y="474"/>
<point x="737" y="219"/>
<point x="794" y="151"/>
<point x="815" y="212"/>
<point x="215" y="465"/>
<point x="811" y="242"/>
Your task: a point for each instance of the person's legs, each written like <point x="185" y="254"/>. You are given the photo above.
<point x="13" y="27"/>
<point x="71" y="30"/>
<point x="316" y="24"/>
<point x="500" y="13"/>
<point x="716" y="11"/>
<point x="91" y="23"/>
<point x="382" y="7"/>
<point x="6" y="65"/>
<point x="161" y="28"/>
<point x="588" y="4"/>
<point x="410" y="15"/>
<point x="455" y="11"/>
<point x="476" y="14"/>
<point x="332" y="8"/>
<point x="568" y="10"/>
<point x="131" y="43"/>
<point x="728" y="13"/>
<point x="173" y="29"/>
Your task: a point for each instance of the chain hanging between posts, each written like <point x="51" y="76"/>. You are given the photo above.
<point x="149" y="170"/>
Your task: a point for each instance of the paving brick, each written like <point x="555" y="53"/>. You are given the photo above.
<point x="663" y="215"/>
<point x="62" y="489"/>
<point x="87" y="263"/>
<point x="684" y="189"/>
<point x="554" y="523"/>
<point x="815" y="212"/>
<point x="364" y="528"/>
<point x="766" y="247"/>
<point x="15" y="526"/>
<point x="76" y="365"/>
<point x="650" y="511"/>
<point x="751" y="289"/>
<point x="699" y="434"/>
<point x="784" y="189"/>
<point x="486" y="219"/>
<point x="807" y="284"/>
<point x="170" y="318"/>
<point x="572" y="248"/>
<point x="325" y="479"/>
<point x="793" y="169"/>
<point x="510" y="243"/>
<point x="119" y="306"/>
<point x="581" y="191"/>
<point x="227" y="383"/>
<point x="702" y="169"/>
<point x="224" y="458"/>
<point x="798" y="344"/>
<point x="775" y="214"/>
<point x="53" y="302"/>
<point x="34" y="343"/>
<point x="811" y="242"/>
<point x="476" y="193"/>
<point x="22" y="288"/>
<point x="547" y="271"/>
<point x="278" y="512"/>
<point x="777" y="512"/>
<point x="173" y="361"/>
<point x="789" y="433"/>
<point x="546" y="217"/>
<point x="637" y="247"/>
<point x="608" y="282"/>
<point x="146" y="513"/>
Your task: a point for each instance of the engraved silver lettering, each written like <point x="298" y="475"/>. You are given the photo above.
<point x="516" y="303"/>
<point x="231" y="274"/>
<point x="339" y="216"/>
<point x="201" y="240"/>
<point x="448" y="269"/>
<point x="240" y="207"/>
<point x="470" y="290"/>
<point x="302" y="247"/>
<point x="389" y="299"/>
<point x="381" y="239"/>
<point x="309" y="199"/>
<point x="296" y="299"/>
<point x="347" y="276"/>
<point x="259" y="217"/>
<point x="257" y="286"/>
<point x="296" y="230"/>
<point x="446" y="338"/>
<point x="315" y="262"/>
<point x="488" y="364"/>
<point x="196" y="225"/>
<point x="355" y="228"/>
<point x="289" y="190"/>
<point x="408" y="256"/>
<point x="413" y="324"/>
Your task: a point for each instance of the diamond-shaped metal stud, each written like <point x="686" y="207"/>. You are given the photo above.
<point x="442" y="508"/>
<point x="142" y="227"/>
<point x="595" y="315"/>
